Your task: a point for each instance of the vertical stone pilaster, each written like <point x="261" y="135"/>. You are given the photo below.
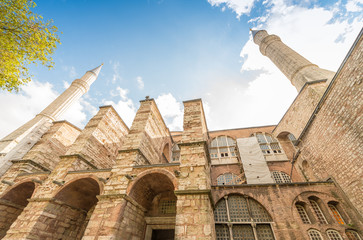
<point x="194" y="215"/>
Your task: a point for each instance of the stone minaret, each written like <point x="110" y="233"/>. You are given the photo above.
<point x="295" y="67"/>
<point x="18" y="143"/>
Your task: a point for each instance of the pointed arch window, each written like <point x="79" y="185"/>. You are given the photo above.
<point x="238" y="217"/>
<point x="336" y="213"/>
<point x="280" y="177"/>
<point x="314" y="235"/>
<point x="268" y="144"/>
<point x="333" y="235"/>
<point x="302" y="213"/>
<point x="229" y="179"/>
<point x="319" y="214"/>
<point x="352" y="235"/>
<point x="222" y="147"/>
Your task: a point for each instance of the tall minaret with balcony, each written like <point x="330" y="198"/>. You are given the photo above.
<point x="18" y="143"/>
<point x="295" y="67"/>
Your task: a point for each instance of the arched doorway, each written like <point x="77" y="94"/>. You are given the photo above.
<point x="155" y="193"/>
<point x="12" y="204"/>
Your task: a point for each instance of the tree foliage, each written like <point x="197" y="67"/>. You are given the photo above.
<point x="25" y="38"/>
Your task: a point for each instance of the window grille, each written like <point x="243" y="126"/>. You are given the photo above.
<point x="352" y="235"/>
<point x="303" y="215"/>
<point x="167" y="207"/>
<point x="333" y="235"/>
<point x="238" y="209"/>
<point x="259" y="214"/>
<point x="318" y="212"/>
<point x="280" y="177"/>
<point x="222" y="147"/>
<point x="268" y="144"/>
<point x="314" y="235"/>
<point x="175" y="156"/>
<point x="229" y="179"/>
<point x="222" y="232"/>
<point x="243" y="212"/>
<point x="242" y="232"/>
<point x="336" y="214"/>
<point x="220" y="213"/>
<point x="264" y="232"/>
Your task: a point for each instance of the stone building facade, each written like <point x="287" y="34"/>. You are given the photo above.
<point x="300" y="179"/>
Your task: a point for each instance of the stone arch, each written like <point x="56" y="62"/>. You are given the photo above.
<point x="68" y="212"/>
<point x="165" y="172"/>
<point x="80" y="193"/>
<point x="152" y="199"/>
<point x="13" y="202"/>
<point x="149" y="185"/>
<point x="246" y="217"/>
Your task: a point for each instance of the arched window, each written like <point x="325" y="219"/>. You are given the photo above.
<point x="268" y="144"/>
<point x="352" y="235"/>
<point x="175" y="156"/>
<point x="222" y="147"/>
<point x="280" y="177"/>
<point x="303" y="215"/>
<point x="292" y="138"/>
<point x="319" y="214"/>
<point x="336" y="213"/>
<point x="237" y="215"/>
<point x="229" y="179"/>
<point x="333" y="235"/>
<point x="314" y="235"/>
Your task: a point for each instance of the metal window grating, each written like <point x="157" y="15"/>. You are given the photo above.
<point x="222" y="232"/>
<point x="314" y="235"/>
<point x="303" y="215"/>
<point x="333" y="235"/>
<point x="318" y="212"/>
<point x="242" y="232"/>
<point x="167" y="207"/>
<point x="264" y="232"/>
<point x="336" y="214"/>
<point x="352" y="235"/>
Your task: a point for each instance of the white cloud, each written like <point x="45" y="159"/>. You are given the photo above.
<point x="140" y="83"/>
<point x="354" y="6"/>
<point x="116" y="72"/>
<point x="124" y="107"/>
<point x="171" y="110"/>
<point x="238" y="6"/>
<point x="18" y="108"/>
<point x="322" y="35"/>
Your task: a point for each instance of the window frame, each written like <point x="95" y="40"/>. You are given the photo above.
<point x="251" y="214"/>
<point x="337" y="236"/>
<point x="281" y="175"/>
<point x="314" y="231"/>
<point x="266" y="141"/>
<point x="219" y="154"/>
<point x="303" y="214"/>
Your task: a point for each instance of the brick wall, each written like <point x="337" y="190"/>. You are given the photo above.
<point x="333" y="144"/>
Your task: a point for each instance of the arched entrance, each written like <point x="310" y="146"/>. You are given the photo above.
<point x="155" y="193"/>
<point x="12" y="204"/>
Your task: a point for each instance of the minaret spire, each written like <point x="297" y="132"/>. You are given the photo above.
<point x="294" y="66"/>
<point x="19" y="142"/>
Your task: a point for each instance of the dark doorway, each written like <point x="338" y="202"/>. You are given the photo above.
<point x="163" y="234"/>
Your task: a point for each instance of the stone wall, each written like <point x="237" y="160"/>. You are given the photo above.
<point x="332" y="145"/>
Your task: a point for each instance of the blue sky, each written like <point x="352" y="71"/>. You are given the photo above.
<point x="176" y="50"/>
